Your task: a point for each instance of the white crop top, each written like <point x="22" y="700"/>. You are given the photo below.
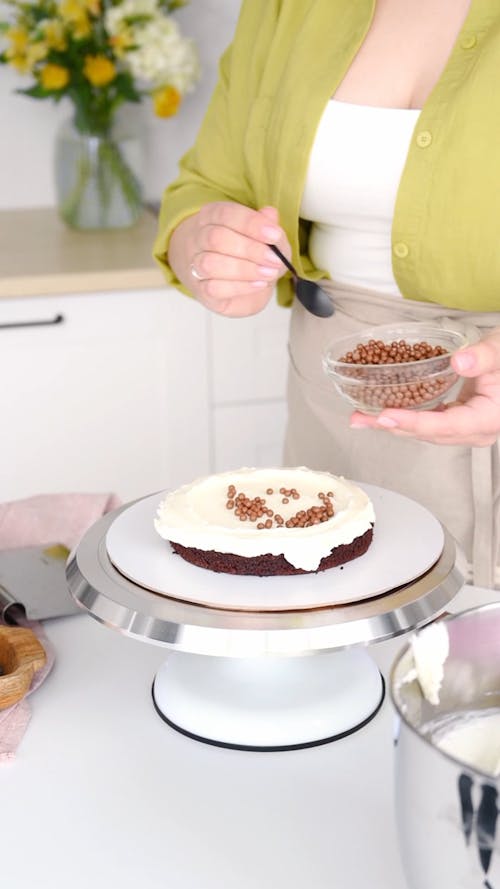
<point x="350" y="191"/>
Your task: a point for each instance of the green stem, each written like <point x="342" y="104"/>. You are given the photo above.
<point x="111" y="158"/>
<point x="71" y="205"/>
<point x="101" y="165"/>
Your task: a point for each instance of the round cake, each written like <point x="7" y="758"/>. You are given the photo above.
<point x="267" y="521"/>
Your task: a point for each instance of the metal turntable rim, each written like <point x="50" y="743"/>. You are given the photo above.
<point x="408" y="541"/>
<point x="103" y="592"/>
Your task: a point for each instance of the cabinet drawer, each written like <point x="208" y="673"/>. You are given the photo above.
<point x="111" y="398"/>
<point x="89" y="316"/>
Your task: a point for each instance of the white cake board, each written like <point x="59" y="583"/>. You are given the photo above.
<point x="407" y="542"/>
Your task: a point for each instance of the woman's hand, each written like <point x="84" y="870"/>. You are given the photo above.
<point x="473" y="420"/>
<point x="221" y="255"/>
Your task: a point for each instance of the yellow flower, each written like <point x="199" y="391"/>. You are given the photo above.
<point x="18" y="62"/>
<point x="93" y="6"/>
<point x="120" y="42"/>
<point x="74" y="14"/>
<point x="71" y="10"/>
<point x="99" y="70"/>
<point x="36" y="52"/>
<point x="53" y="32"/>
<point x="18" y="38"/>
<point x="54" y="77"/>
<point x="166" y="101"/>
<point x="23" y="56"/>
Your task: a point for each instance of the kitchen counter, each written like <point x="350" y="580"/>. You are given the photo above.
<point x="104" y="794"/>
<point x="40" y="255"/>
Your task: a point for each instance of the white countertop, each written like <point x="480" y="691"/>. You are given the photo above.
<point x="104" y="794"/>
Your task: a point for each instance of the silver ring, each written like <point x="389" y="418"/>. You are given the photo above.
<point x="195" y="274"/>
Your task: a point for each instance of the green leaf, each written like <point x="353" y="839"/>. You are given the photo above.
<point x="137" y="19"/>
<point x="124" y="85"/>
<point x="172" y="5"/>
<point x="37" y="92"/>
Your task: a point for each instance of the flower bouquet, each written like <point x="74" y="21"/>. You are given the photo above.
<point x="99" y="54"/>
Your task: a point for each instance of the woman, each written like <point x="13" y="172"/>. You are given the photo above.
<point x="363" y="139"/>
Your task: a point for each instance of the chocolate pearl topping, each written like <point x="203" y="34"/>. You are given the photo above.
<point x="397" y="388"/>
<point x="254" y="508"/>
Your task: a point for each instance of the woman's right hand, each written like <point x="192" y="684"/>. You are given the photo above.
<point x="220" y="254"/>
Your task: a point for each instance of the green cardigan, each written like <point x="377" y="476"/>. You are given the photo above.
<point x="285" y="61"/>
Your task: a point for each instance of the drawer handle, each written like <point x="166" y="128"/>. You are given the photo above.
<point x="48" y="322"/>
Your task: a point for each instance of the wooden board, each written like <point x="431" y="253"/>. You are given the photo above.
<point x="21" y="655"/>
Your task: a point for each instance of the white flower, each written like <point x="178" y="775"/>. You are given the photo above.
<point x="115" y="18"/>
<point x="160" y="54"/>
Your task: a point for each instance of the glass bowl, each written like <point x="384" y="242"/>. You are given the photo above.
<point x="410" y="384"/>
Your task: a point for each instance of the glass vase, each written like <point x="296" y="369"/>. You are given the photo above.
<point x="98" y="177"/>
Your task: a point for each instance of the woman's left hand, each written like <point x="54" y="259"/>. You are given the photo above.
<point x="473" y="420"/>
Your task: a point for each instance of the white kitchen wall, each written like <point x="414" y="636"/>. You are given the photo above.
<point x="27" y="126"/>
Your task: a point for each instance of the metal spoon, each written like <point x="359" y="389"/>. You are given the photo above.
<point x="310" y="294"/>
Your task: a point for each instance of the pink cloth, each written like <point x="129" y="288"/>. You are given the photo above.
<point x="14" y="721"/>
<point x="36" y="521"/>
<point x="51" y="518"/>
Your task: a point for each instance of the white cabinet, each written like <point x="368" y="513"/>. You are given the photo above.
<point x="102" y="392"/>
<point x="249" y="363"/>
<point x="135" y="391"/>
<point x="249" y="435"/>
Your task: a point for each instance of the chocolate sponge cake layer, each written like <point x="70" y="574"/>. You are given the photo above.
<point x="268" y="565"/>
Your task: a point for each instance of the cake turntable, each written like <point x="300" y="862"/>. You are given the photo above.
<point x="273" y="663"/>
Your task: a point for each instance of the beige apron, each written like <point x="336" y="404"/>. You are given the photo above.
<point x="460" y="485"/>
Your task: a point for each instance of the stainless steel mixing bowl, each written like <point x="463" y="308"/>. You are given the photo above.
<point x="447" y="810"/>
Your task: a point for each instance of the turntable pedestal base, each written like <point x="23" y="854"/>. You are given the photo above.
<point x="268" y="703"/>
<point x="261" y="679"/>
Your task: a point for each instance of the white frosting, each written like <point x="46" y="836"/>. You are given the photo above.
<point x="430" y="648"/>
<point x="474" y="740"/>
<point x="196" y="515"/>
